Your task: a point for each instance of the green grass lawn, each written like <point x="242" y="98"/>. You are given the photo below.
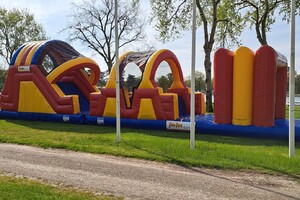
<point x="297" y="112"/>
<point x="20" y="188"/>
<point x="212" y="151"/>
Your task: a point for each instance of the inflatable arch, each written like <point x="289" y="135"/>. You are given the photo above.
<point x="148" y="100"/>
<point x="49" y="77"/>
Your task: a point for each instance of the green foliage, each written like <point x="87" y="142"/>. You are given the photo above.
<point x="212" y="151"/>
<point x="17" y="26"/>
<point x="297" y="112"/>
<point x="103" y="78"/>
<point x="131" y="82"/>
<point x="172" y="18"/>
<point x="199" y="81"/>
<point x="261" y="15"/>
<point x="165" y="82"/>
<point x="24" y="189"/>
<point x="3" y="74"/>
<point x="285" y="9"/>
<point x="230" y="25"/>
<point x="297" y="84"/>
<point x="220" y="21"/>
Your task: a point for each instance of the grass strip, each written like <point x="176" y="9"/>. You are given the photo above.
<point x="211" y="151"/>
<point x="25" y="189"/>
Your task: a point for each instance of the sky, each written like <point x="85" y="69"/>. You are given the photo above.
<point x="53" y="15"/>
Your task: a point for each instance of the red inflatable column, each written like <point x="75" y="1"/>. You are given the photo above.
<point x="264" y="84"/>
<point x="281" y="92"/>
<point x="223" y="74"/>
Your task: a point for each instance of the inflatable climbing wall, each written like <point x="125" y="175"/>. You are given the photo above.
<point x="249" y="88"/>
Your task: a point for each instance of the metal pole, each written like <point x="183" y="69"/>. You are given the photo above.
<point x="192" y="112"/>
<point x="292" y="85"/>
<point x="118" y="120"/>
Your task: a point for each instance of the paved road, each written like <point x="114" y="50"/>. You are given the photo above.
<point x="136" y="179"/>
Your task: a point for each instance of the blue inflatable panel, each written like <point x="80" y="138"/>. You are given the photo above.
<point x="35" y="57"/>
<point x="70" y="88"/>
<point x="130" y="123"/>
<point x="181" y="106"/>
<point x="15" y="55"/>
<point x="205" y="124"/>
<point x="74" y="119"/>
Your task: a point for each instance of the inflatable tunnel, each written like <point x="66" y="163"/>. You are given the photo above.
<point x="49" y="77"/>
<point x="148" y="101"/>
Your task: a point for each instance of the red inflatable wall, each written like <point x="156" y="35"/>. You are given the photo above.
<point x="10" y="94"/>
<point x="163" y="105"/>
<point x="281" y="92"/>
<point x="264" y="84"/>
<point x="223" y="86"/>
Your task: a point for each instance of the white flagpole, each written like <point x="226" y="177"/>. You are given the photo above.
<point x="118" y="120"/>
<point x="192" y="111"/>
<point x="292" y="85"/>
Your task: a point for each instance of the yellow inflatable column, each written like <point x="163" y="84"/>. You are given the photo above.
<point x="242" y="86"/>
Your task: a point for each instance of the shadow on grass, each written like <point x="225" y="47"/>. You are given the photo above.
<point x="191" y="166"/>
<point x="94" y="129"/>
<point x="232" y="140"/>
<point x="64" y="127"/>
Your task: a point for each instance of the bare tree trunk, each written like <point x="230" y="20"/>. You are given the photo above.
<point x="207" y="65"/>
<point x="260" y="28"/>
<point x="109" y="65"/>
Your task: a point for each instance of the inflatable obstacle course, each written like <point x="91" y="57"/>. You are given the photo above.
<point x="51" y="81"/>
<point x="52" y="78"/>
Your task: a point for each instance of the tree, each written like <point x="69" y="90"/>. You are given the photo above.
<point x="297" y="84"/>
<point x="261" y="14"/>
<point x="219" y="20"/>
<point x="17" y="26"/>
<point x="93" y="23"/>
<point x="199" y="81"/>
<point x="3" y="74"/>
<point x="165" y="81"/>
<point x="103" y="78"/>
<point x="132" y="82"/>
